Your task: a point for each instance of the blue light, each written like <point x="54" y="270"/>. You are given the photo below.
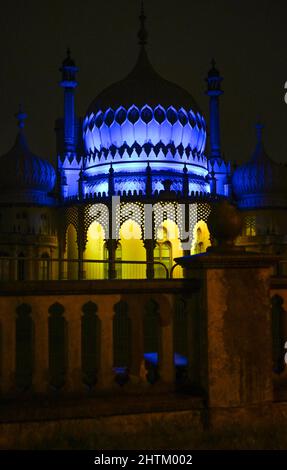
<point x="179" y="359"/>
<point x="143" y="125"/>
<point x="151" y="357"/>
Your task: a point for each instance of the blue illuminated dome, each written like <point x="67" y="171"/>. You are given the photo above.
<point x="144" y="119"/>
<point x="25" y="176"/>
<point x="260" y="182"/>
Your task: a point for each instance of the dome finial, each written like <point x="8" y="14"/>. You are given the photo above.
<point x="21" y="116"/>
<point x="142" y="34"/>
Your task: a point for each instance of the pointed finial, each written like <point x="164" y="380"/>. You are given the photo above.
<point x="142" y="34"/>
<point x="21" y="116"/>
<point x="259" y="128"/>
<point x="68" y="61"/>
<point x="213" y="72"/>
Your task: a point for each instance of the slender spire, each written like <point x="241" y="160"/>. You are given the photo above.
<point x="142" y="34"/>
<point x="21" y="116"/>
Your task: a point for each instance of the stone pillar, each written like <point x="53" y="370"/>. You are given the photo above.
<point x="236" y="320"/>
<point x="149" y="245"/>
<point x="106" y="314"/>
<point x="235" y="317"/>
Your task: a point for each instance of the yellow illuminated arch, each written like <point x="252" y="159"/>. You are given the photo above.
<point x="201" y="238"/>
<point x="94" y="251"/>
<point x="132" y="250"/>
<point x="168" y="245"/>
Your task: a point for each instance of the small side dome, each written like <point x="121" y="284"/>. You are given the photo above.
<point x="260" y="182"/>
<point x="26" y="177"/>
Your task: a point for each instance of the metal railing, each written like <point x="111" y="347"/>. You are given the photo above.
<point x="41" y="269"/>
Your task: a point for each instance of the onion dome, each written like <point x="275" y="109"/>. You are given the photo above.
<point x="145" y="118"/>
<point x="260" y="182"/>
<point x="26" y="177"/>
<point x="144" y="107"/>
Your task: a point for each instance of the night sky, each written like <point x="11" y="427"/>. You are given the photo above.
<point x="248" y="39"/>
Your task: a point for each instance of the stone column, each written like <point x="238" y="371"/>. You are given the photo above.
<point x="81" y="272"/>
<point x="106" y="314"/>
<point x="111" y="247"/>
<point x="149" y="245"/>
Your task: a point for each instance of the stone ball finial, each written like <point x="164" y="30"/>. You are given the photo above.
<point x="225" y="223"/>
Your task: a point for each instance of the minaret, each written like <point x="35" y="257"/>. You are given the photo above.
<point x="214" y="91"/>
<point x="69" y="83"/>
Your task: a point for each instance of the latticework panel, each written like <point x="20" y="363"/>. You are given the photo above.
<point x="203" y="211"/>
<point x="96" y="213"/>
<point x="169" y="211"/>
<point x="197" y="212"/>
<point x="130" y="211"/>
<point x="69" y="216"/>
<point x="250" y="225"/>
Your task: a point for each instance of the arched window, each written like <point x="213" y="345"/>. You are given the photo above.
<point x="121" y="340"/>
<point x="162" y="253"/>
<point x="201" y="238"/>
<point x="151" y="331"/>
<point x="24" y="347"/>
<point x="57" y="330"/>
<point x="44" y="267"/>
<point x="90" y="343"/>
